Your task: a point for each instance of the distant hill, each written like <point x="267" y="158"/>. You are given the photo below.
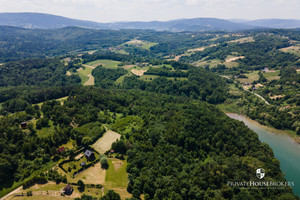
<point x="196" y="24"/>
<point x="46" y="21"/>
<point x="275" y="23"/>
<point x="42" y="21"/>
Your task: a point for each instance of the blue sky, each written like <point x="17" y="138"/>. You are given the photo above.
<point x="147" y="10"/>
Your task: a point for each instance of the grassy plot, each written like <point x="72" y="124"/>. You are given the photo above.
<point x="84" y="74"/>
<point x="110" y="64"/>
<point x="252" y="76"/>
<point x="148" y="77"/>
<point x="121" y="79"/>
<point x="39" y="197"/>
<point x="104" y="143"/>
<point x="46" y="131"/>
<point x="272" y="75"/>
<point x="61" y="100"/>
<point x="116" y="173"/>
<point x="292" y="49"/>
<point x="142" y="44"/>
<point x="116" y="178"/>
<point x="92" y="175"/>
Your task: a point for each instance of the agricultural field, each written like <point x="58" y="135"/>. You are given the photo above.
<point x="104" y="143"/>
<point x="272" y="75"/>
<point x="243" y="40"/>
<point x="92" y="175"/>
<point x="109" y="64"/>
<point x="139" y="43"/>
<point x="292" y="49"/>
<point x="252" y="76"/>
<point x="116" y="177"/>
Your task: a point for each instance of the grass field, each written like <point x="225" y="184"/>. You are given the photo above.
<point x="243" y="40"/>
<point x="292" y="49"/>
<point x="272" y="75"/>
<point x="116" y="177"/>
<point x="104" y="143"/>
<point x="110" y="64"/>
<point x="61" y="100"/>
<point x="92" y="175"/>
<point x="46" y="131"/>
<point x="148" y="77"/>
<point x="116" y="173"/>
<point x="142" y="44"/>
<point x="40" y="197"/>
<point x="252" y="76"/>
<point x="121" y="79"/>
<point x="84" y="74"/>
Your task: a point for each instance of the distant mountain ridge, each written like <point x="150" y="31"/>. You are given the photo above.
<point x="48" y="21"/>
<point x="275" y="23"/>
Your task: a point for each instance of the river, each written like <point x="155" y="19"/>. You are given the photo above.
<point x="285" y="149"/>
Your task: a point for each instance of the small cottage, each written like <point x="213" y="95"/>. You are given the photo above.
<point x="89" y="155"/>
<point x="82" y="164"/>
<point x="61" y="150"/>
<point x="24" y="125"/>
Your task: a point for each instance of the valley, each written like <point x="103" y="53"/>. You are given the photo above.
<point x="139" y="114"/>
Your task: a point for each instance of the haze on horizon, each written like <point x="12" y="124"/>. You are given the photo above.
<point x="163" y="10"/>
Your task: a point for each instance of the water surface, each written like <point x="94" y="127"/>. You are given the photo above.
<point x="285" y="149"/>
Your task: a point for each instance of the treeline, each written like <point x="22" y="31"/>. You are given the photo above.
<point x="42" y="72"/>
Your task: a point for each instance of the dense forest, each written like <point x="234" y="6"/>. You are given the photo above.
<point x="176" y="147"/>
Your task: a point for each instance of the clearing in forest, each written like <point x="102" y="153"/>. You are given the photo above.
<point x="104" y="143"/>
<point x="231" y="59"/>
<point x="109" y="64"/>
<point x="138" y="72"/>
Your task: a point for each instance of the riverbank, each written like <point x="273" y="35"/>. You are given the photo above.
<point x="290" y="133"/>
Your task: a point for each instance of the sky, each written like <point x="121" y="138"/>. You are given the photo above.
<point x="163" y="10"/>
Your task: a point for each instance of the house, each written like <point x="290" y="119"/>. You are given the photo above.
<point x="61" y="150"/>
<point x="24" y="125"/>
<point x="254" y="88"/>
<point x="68" y="189"/>
<point x="82" y="164"/>
<point x="89" y="155"/>
<point x="266" y="69"/>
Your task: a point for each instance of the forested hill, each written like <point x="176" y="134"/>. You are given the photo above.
<point x="19" y="43"/>
<point x="179" y="149"/>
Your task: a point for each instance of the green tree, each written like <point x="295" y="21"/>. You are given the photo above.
<point x="111" y="195"/>
<point x="104" y="163"/>
<point x="81" y="185"/>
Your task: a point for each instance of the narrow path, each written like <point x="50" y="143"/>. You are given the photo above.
<point x="91" y="80"/>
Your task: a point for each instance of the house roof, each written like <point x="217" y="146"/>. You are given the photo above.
<point x="88" y="153"/>
<point x="61" y="149"/>
<point x="83" y="163"/>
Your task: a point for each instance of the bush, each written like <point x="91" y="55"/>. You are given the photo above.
<point x="104" y="163"/>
